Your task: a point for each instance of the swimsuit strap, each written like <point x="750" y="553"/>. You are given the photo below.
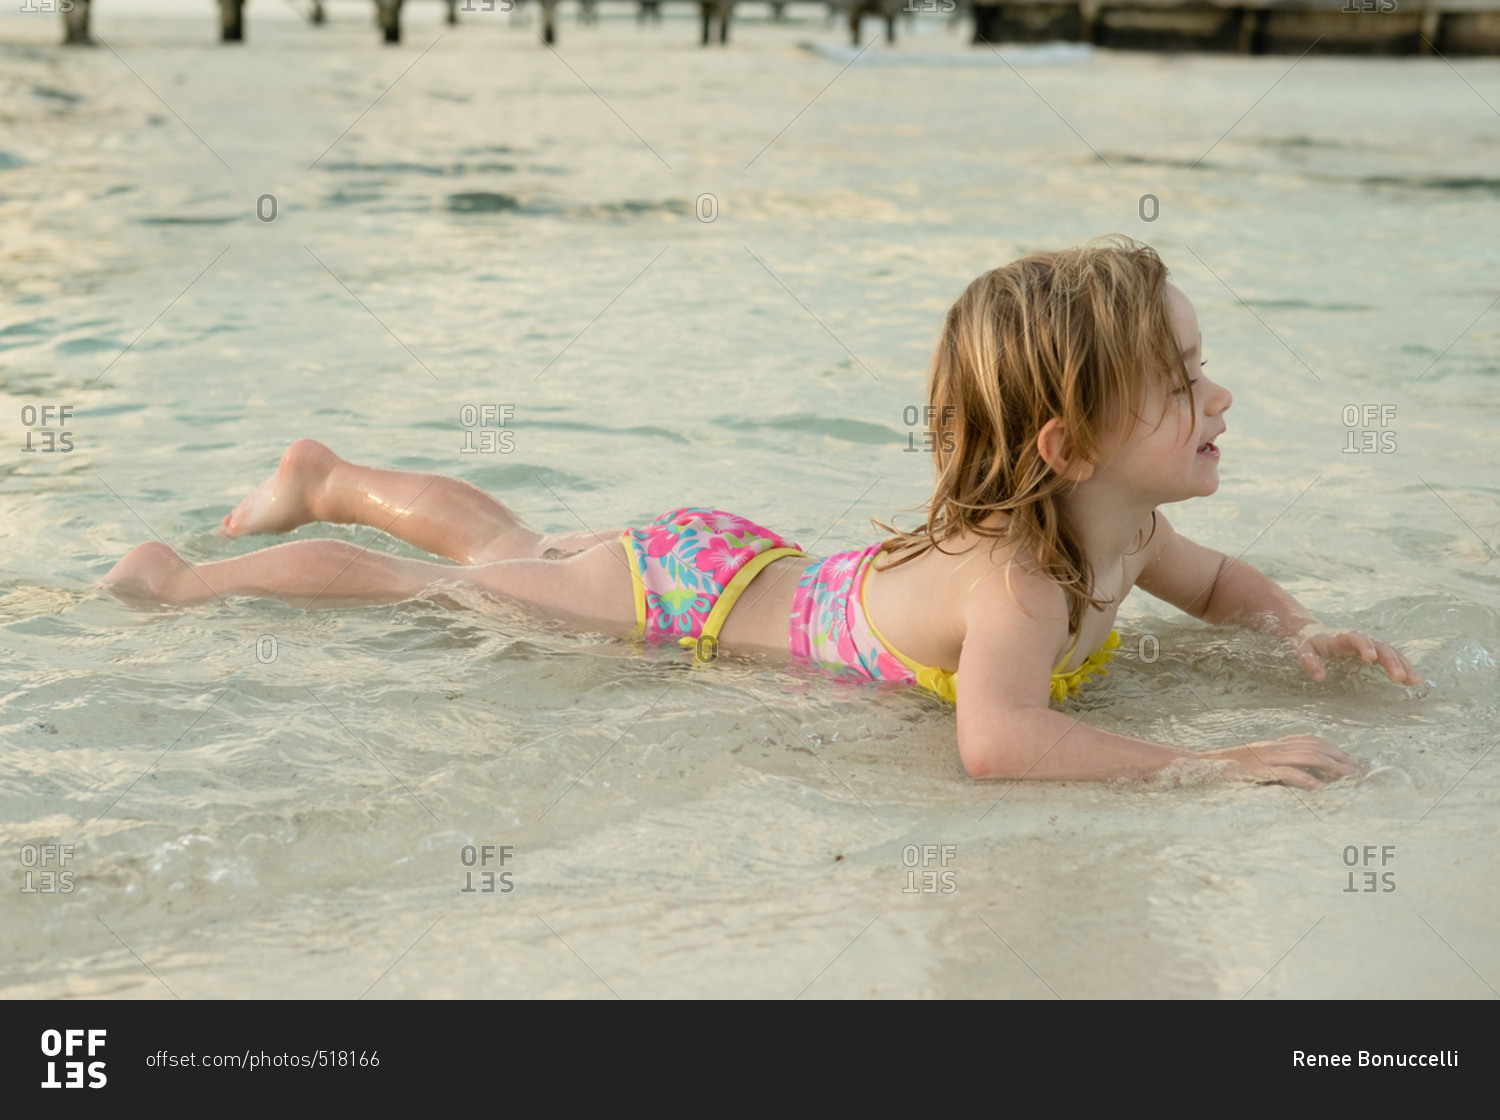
<point x="916" y="667"/>
<point x="1057" y="669"/>
<point x="731" y="594"/>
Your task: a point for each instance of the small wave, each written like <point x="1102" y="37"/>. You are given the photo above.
<point x="175" y="220"/>
<point x="1163" y="161"/>
<point x="481" y="202"/>
<point x="649" y="430"/>
<point x="56" y="94"/>
<point x="24" y="332"/>
<point x="86" y="345"/>
<point x="345" y="198"/>
<point x="401" y="167"/>
<point x="632" y="207"/>
<point x="853" y="431"/>
<point x="1302" y="142"/>
<point x="1439" y="183"/>
<point x="1305" y="305"/>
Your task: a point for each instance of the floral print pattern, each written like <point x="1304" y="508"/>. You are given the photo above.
<point x="828" y="628"/>
<point x="686" y="558"/>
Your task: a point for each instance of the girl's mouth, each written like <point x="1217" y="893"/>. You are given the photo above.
<point x="1209" y="450"/>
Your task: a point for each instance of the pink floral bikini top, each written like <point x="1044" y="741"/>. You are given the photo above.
<point x="830" y="629"/>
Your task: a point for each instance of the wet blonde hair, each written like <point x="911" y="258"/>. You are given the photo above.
<point x="1076" y="335"/>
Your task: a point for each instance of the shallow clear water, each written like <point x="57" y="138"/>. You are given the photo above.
<point x="297" y="825"/>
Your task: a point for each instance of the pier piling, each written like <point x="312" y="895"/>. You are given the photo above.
<point x="881" y="9"/>
<point x="232" y="20"/>
<point x="712" y="9"/>
<point x="76" y="25"/>
<point x="388" y="13"/>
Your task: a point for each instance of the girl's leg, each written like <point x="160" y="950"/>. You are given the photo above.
<point x="591" y="590"/>
<point x="441" y="515"/>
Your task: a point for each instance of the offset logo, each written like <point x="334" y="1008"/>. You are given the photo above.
<point x="44" y="426"/>
<point x="484" y="855"/>
<point x="487" y="418"/>
<point x="66" y="1044"/>
<point x="51" y="882"/>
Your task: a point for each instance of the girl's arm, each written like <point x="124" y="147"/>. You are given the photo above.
<point x="1211" y="586"/>
<point x="1006" y="728"/>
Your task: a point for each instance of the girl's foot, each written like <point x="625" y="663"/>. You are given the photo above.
<point x="152" y="572"/>
<point x="285" y="500"/>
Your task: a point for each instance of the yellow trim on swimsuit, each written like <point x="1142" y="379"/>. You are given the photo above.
<point x="945" y="684"/>
<point x="722" y="606"/>
<point x="637" y="586"/>
<point x="727" y="598"/>
<point x="1065" y="684"/>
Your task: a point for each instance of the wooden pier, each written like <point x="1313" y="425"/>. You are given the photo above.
<point x="1370" y="27"/>
<point x="1383" y="27"/>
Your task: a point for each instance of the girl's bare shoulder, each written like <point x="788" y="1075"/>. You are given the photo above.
<point x="978" y="572"/>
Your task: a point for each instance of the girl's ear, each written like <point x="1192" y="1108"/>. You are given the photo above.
<point x="1056" y="449"/>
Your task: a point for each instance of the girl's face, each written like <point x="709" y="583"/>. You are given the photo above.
<point x="1171" y="453"/>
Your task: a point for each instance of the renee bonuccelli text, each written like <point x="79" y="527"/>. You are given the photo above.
<point x="1306" y="1058"/>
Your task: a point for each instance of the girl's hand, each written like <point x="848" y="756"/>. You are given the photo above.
<point x="1314" y="644"/>
<point x="1306" y="761"/>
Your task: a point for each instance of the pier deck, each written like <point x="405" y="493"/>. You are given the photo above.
<point x="1372" y="27"/>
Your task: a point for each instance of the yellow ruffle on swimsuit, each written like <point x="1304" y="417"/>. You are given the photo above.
<point x="1065" y="684"/>
<point x="945" y="684"/>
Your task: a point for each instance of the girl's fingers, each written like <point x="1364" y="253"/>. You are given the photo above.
<point x="1408" y="670"/>
<point x="1312" y="664"/>
<point x="1316" y="647"/>
<point x="1353" y="641"/>
<point x="1397" y="667"/>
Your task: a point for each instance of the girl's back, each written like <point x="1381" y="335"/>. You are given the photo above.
<point x="922" y="606"/>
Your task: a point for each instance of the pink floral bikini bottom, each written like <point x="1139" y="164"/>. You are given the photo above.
<point x="691" y="565"/>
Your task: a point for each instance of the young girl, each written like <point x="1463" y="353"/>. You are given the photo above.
<point x="1068" y="401"/>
